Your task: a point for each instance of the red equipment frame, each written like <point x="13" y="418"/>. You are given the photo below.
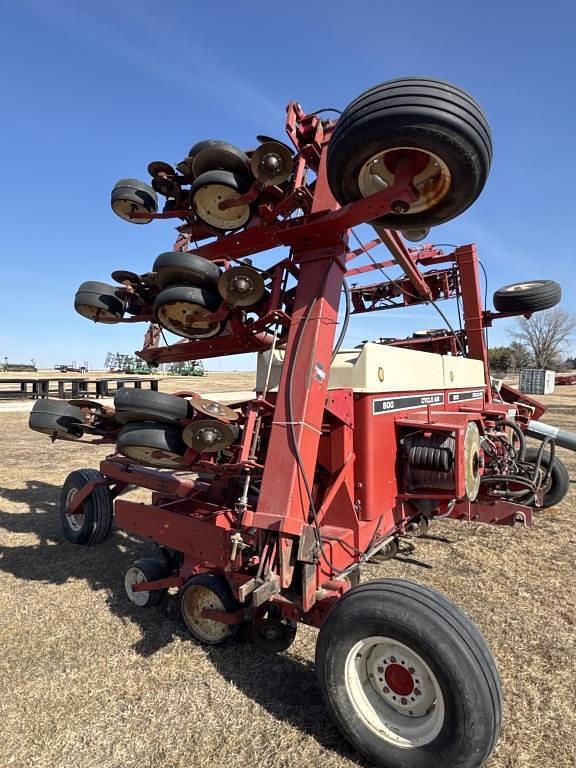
<point x="316" y="516"/>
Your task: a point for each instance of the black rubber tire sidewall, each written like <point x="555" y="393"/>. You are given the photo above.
<point x="451" y="646"/>
<point x="185" y="267"/>
<point x="423" y="113"/>
<point x="137" y="192"/>
<point x="98" y="509"/>
<point x="544" y="294"/>
<point x="560" y="477"/>
<point x="49" y="416"/>
<point x="152" y="404"/>
<point x="158" y="437"/>
<point x="100" y="295"/>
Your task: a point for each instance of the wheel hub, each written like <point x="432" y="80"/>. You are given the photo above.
<point x="394" y="692"/>
<point x="432" y="178"/>
<point x="75" y="519"/>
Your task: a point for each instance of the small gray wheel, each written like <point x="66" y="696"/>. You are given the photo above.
<point x="58" y="419"/>
<point x="99" y="302"/>
<point x="155" y="445"/>
<point x="146" y="569"/>
<point x="130" y="196"/>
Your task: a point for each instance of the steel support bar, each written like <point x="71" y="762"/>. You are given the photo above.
<point x="404" y="258"/>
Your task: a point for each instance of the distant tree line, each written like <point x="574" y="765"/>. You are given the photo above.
<point x="540" y="341"/>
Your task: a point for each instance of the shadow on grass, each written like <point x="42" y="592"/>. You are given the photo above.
<point x="53" y="559"/>
<point x="282" y="684"/>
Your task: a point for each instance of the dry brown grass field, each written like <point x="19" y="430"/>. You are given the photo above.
<point x="91" y="681"/>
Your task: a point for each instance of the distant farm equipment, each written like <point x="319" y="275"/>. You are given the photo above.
<point x="72" y="367"/>
<point x="187" y="368"/>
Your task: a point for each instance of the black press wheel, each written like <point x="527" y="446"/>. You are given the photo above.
<point x="436" y="124"/>
<point x="558" y="483"/>
<point x="408" y="678"/>
<point x="57" y="418"/>
<point x="181" y="267"/>
<point x="531" y="296"/>
<point x="207" y="590"/>
<point x="143" y="405"/>
<point x="212" y="188"/>
<point x="99" y="302"/>
<point x="130" y="196"/>
<point x="155" y="445"/>
<point x="181" y="309"/>
<point x="91" y="522"/>
<point x="146" y="569"/>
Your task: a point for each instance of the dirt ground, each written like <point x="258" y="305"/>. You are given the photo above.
<point x="91" y="681"/>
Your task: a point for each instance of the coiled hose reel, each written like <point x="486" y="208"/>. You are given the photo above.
<point x="430" y="461"/>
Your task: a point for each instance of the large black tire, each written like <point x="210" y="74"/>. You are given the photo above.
<point x="559" y="480"/>
<point x="220" y="156"/>
<point x="178" y="267"/>
<point x="211" y="188"/>
<point x="56" y="417"/>
<point x="131" y="196"/>
<point x="531" y="296"/>
<point x="144" y="405"/>
<point x="99" y="302"/>
<point x="94" y="523"/>
<point x="408" y="678"/>
<point x="414" y="113"/>
<point x="145" y="569"/>
<point x="203" y="591"/>
<point x="155" y="445"/>
<point x="181" y="308"/>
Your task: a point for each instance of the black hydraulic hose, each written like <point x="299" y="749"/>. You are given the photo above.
<point x="347" y="311"/>
<point x="519" y="434"/>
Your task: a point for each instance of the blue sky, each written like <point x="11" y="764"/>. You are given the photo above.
<point x="91" y="92"/>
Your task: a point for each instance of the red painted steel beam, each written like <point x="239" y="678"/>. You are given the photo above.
<point x="472" y="307"/>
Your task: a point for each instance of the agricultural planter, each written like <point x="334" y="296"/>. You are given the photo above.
<point x="266" y="510"/>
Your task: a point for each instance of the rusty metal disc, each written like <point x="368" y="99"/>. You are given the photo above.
<point x="209" y="435"/>
<point x="157" y="167"/>
<point x="241" y="286"/>
<point x="272" y="163"/>
<point x="214" y="409"/>
<point x="125" y="276"/>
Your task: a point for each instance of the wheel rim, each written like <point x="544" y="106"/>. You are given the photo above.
<point x="185" y="319"/>
<point x="432" y="180"/>
<point x="135" y="576"/>
<point x="195" y="599"/>
<point x="152" y="456"/>
<point x="394" y="692"/>
<point x="127" y="208"/>
<point x="96" y="314"/>
<point x="207" y="200"/>
<point x="522" y="287"/>
<point x="75" y="520"/>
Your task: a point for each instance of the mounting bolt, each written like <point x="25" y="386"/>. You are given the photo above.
<point x="399" y="206"/>
<point x="403" y="701"/>
<point x="386" y="689"/>
<point x="417" y="692"/>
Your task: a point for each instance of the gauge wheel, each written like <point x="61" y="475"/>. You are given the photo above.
<point x="155" y="445"/>
<point x="273" y="634"/>
<point x="185" y="267"/>
<point x="91" y="522"/>
<point x="58" y="419"/>
<point x="408" y="678"/>
<point x="212" y="188"/>
<point x="181" y="309"/>
<point x="436" y="125"/>
<point x="143" y="405"/>
<point x="207" y="590"/>
<point x="99" y="302"/>
<point x="557" y="484"/>
<point x="385" y="553"/>
<point x="145" y="569"/>
<point x="130" y="196"/>
<point x="531" y="296"/>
